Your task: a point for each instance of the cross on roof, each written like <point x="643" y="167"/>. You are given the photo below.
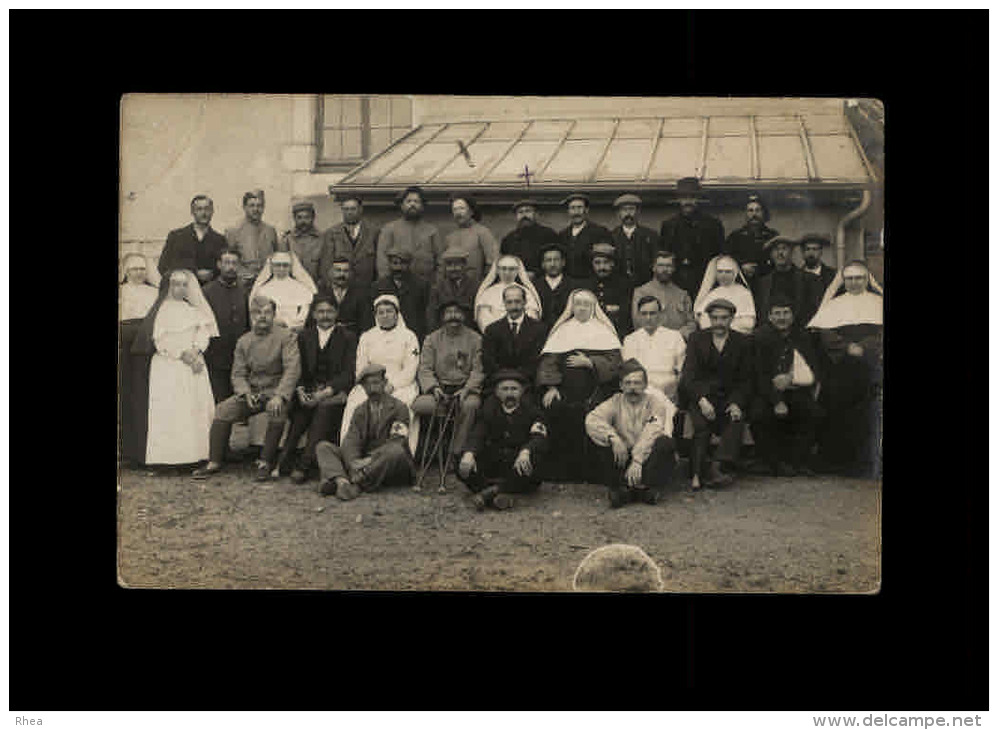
<point x="526" y="175"/>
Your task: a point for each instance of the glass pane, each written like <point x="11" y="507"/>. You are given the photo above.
<point x="502" y="130"/>
<point x="781" y="158"/>
<point x="637" y="128"/>
<point x="331" y="111"/>
<point x="836" y="158"/>
<point x="351" y="111"/>
<point x="385" y="163"/>
<point x="331" y="146"/>
<point x="682" y="127"/>
<point x="533" y="154"/>
<point x="424" y="163"/>
<point x="592" y="129"/>
<point x="546" y="130"/>
<point x="723" y="126"/>
<point x="380" y="138"/>
<point x="575" y="161"/>
<point x="625" y="160"/>
<point x="401" y="112"/>
<point x="463" y="132"/>
<point x="675" y="157"/>
<point x="380" y="113"/>
<point x="483" y="154"/>
<point x="351" y="143"/>
<point x="826" y="124"/>
<point x="777" y="125"/>
<point x="728" y="157"/>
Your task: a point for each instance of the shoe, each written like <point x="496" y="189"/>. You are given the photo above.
<point x="717" y="478"/>
<point x="478" y="501"/>
<point x="263" y="472"/>
<point x="617" y="498"/>
<point x="298" y="476"/>
<point x="646" y="495"/>
<point x="206" y="471"/>
<point x="346" y="490"/>
<point x="327" y="487"/>
<point x="785" y="470"/>
<point x="502" y="501"/>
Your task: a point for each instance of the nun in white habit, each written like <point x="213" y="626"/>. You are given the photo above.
<point x="391" y="344"/>
<point x="489" y="305"/>
<point x="285" y="280"/>
<point x="725" y="280"/>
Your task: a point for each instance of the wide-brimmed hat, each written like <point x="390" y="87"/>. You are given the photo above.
<point x="780" y="239"/>
<point x="689" y="187"/>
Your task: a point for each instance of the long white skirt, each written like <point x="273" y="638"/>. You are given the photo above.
<point x="407" y="395"/>
<point x="181" y="408"/>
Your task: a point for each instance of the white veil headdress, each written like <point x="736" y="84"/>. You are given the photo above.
<point x="838" y="308"/>
<point x="522" y="278"/>
<point x="152" y="273"/>
<point x="391" y="299"/>
<point x="169" y="319"/>
<point x="710" y="281"/>
<point x="569" y="334"/>
<point x="298" y="273"/>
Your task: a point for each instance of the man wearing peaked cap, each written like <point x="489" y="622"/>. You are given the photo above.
<point x="636" y="244"/>
<point x="613" y="290"/>
<point x="526" y="240"/>
<point x="813" y="248"/>
<point x="304" y="240"/>
<point x="694" y="236"/>
<point x="747" y="244"/>
<point x="580" y="234"/>
<point x="454" y="283"/>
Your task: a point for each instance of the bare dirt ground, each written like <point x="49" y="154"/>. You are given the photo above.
<point x="787" y="535"/>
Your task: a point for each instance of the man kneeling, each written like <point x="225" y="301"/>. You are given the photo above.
<point x="505" y="448"/>
<point x="375" y="451"/>
<point x="634" y="432"/>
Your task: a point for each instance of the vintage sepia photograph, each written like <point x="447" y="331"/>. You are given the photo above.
<point x="501" y="343"/>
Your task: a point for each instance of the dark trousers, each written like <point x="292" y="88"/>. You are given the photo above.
<point x="730" y="432"/>
<point x="321" y="423"/>
<point x="235" y="409"/>
<point x="221" y="383"/>
<point x="498" y="469"/>
<point x="571" y="447"/>
<point x="656" y="472"/>
<point x="785" y="438"/>
<point x="391" y="464"/>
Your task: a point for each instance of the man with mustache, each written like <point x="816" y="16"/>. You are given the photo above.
<point x="304" y="240"/>
<point x="613" y="290"/>
<point x="813" y="246"/>
<point x="526" y="240"/>
<point x="229" y="300"/>
<point x="353" y="296"/>
<point x="677" y="307"/>
<point x="195" y="247"/>
<point x="354" y="238"/>
<point x="786" y="281"/>
<point x="580" y="235"/>
<point x="694" y="236"/>
<point x="411" y="235"/>
<point x="747" y="245"/>
<point x="254" y="239"/>
<point x="504" y="454"/>
<point x="636" y="245"/>
<point x="456" y="283"/>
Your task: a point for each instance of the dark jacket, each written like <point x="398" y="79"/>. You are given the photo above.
<point x="723" y="377"/>
<point x="745" y="246"/>
<point x="355" y="311"/>
<point x="364" y="436"/>
<point x="636" y="255"/>
<point x="614" y="295"/>
<point x="445" y="290"/>
<point x="414" y="294"/>
<point x="336" y="241"/>
<point x="773" y="355"/>
<point x="525" y="243"/>
<point x="338" y="359"/>
<point x="500" y="436"/>
<point x="579" y="263"/>
<point x="695" y="241"/>
<point x="806" y="295"/>
<point x="229" y="303"/>
<point x="826" y="276"/>
<point x="183" y="250"/>
<point x="500" y="350"/>
<point x="553" y="301"/>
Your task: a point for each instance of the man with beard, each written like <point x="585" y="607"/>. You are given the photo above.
<point x="580" y="235"/>
<point x="456" y="283"/>
<point x="693" y="236"/>
<point x="786" y="281"/>
<point x="412" y="235"/>
<point x="228" y="298"/>
<point x="354" y="238"/>
<point x="471" y="236"/>
<point x="353" y="298"/>
<point x="677" y="307"/>
<point x="747" y="244"/>
<point x="528" y="238"/>
<point x="636" y="245"/>
<point x="195" y="247"/>
<point x="504" y="454"/>
<point x="450" y="367"/>
<point x="413" y="293"/>
<point x="812" y="246"/>
<point x="553" y="287"/>
<point x="304" y="240"/>
<point x="254" y="239"/>
<point x="613" y="290"/>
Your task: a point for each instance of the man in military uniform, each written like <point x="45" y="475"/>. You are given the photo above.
<point x="504" y="454"/>
<point x="525" y="241"/>
<point x="747" y="244"/>
<point x="613" y="291"/>
<point x="580" y="235"/>
<point x="255" y="239"/>
<point x="693" y="236"/>
<point x="456" y="283"/>
<point x="411" y="234"/>
<point x="304" y="240"/>
<point x="636" y="245"/>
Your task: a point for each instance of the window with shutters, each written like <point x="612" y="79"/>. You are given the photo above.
<point x="351" y="129"/>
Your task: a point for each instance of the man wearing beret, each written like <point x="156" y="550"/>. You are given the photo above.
<point x="553" y="286"/>
<point x="255" y="239"/>
<point x="636" y="245"/>
<point x="354" y="238"/>
<point x="375" y="451"/>
<point x="580" y="235"/>
<point x="747" y="244"/>
<point x="504" y="454"/>
<point x="613" y="290"/>
<point x="717" y="383"/>
<point x="304" y="240"/>
<point x="411" y="234"/>
<point x="813" y="247"/>
<point x="786" y="281"/>
<point x="454" y="283"/>
<point x="195" y="247"/>
<point x="693" y="236"/>
<point x="632" y="431"/>
<point x="413" y="293"/>
<point x="526" y="240"/>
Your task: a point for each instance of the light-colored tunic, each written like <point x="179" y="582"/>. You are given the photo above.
<point x="677" y="308"/>
<point x="490" y="308"/>
<point x="181" y="406"/>
<point x="478" y="242"/>
<point x="637" y="425"/>
<point x="293" y="300"/>
<point x="662" y="354"/>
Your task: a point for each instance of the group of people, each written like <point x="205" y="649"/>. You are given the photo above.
<point x="556" y="355"/>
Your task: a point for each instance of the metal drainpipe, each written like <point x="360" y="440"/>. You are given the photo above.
<point x="840" y="230"/>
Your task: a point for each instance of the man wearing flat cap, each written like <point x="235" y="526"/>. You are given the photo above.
<point x="255" y="239"/>
<point x="411" y="234"/>
<point x="747" y="244"/>
<point x="455" y="283"/>
<point x="471" y="236"/>
<point x="354" y="238"/>
<point x="304" y="240"/>
<point x="717" y="383"/>
<point x="694" y="236"/>
<point x="526" y="240"/>
<point x="413" y="293"/>
<point x="375" y="450"/>
<point x="580" y="235"/>
<point x="553" y="285"/>
<point x="813" y="247"/>
<point x="636" y="245"/>
<point x="786" y="281"/>
<point x="505" y="451"/>
<point x="613" y="290"/>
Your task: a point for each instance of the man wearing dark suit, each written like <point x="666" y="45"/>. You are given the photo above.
<point x="229" y="300"/>
<point x="812" y="246"/>
<point x="354" y="238"/>
<point x="717" y="382"/>
<point x="527" y="239"/>
<point x="786" y="281"/>
<point x="353" y="298"/>
<point x="328" y="359"/>
<point x="693" y="236"/>
<point x="515" y="341"/>
<point x="375" y="451"/>
<point x="636" y="245"/>
<point x="613" y="291"/>
<point x="195" y="247"/>
<point x="553" y="286"/>
<point x="580" y="234"/>
<point x="413" y="292"/>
